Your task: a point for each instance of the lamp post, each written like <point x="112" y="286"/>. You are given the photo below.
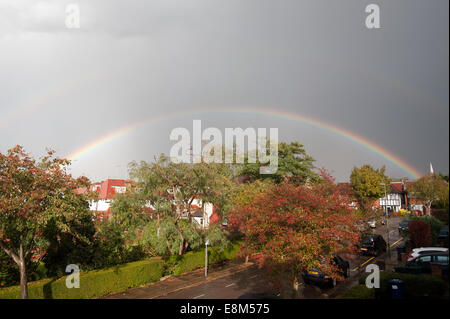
<point x="206" y="257"/>
<point x="387" y="219"/>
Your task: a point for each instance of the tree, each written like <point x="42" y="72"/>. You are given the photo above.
<point x="172" y="188"/>
<point x="129" y="211"/>
<point x="294" y="228"/>
<point x="72" y="245"/>
<point x="429" y="189"/>
<point x="293" y="163"/>
<point x="366" y="183"/>
<point x="420" y="232"/>
<point x="435" y="226"/>
<point x="169" y="239"/>
<point x="33" y="195"/>
<point x="444" y="176"/>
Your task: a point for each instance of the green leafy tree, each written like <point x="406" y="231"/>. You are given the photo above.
<point x="216" y="236"/>
<point x="33" y="195"/>
<point x="111" y="247"/>
<point x="444" y="176"/>
<point x="73" y="246"/>
<point x="130" y="213"/>
<point x="168" y="240"/>
<point x="366" y="184"/>
<point x="246" y="193"/>
<point x="429" y="189"/>
<point x="293" y="163"/>
<point x="173" y="187"/>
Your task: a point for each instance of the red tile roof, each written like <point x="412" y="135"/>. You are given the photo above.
<point x="396" y="187"/>
<point x="106" y="189"/>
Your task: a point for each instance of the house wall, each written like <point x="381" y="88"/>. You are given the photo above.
<point x="100" y="206"/>
<point x="392" y="201"/>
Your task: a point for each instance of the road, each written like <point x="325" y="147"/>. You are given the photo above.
<point x="254" y="281"/>
<point x="251" y="280"/>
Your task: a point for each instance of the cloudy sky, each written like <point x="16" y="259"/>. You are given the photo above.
<point x="167" y="62"/>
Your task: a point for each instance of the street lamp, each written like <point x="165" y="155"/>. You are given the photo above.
<point x="206" y="257"/>
<point x="387" y="219"/>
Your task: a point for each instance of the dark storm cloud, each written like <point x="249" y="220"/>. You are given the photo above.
<point x="138" y="59"/>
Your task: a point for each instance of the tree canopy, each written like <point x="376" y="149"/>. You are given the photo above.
<point x="293" y="163"/>
<point x="429" y="189"/>
<point x="367" y="185"/>
<point x="172" y="189"/>
<point x="296" y="228"/>
<point x="36" y="196"/>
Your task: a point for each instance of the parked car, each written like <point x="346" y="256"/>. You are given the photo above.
<point x="443" y="236"/>
<point x="403" y="227"/>
<point x="372" y="223"/>
<point x="422" y="263"/>
<point x="373" y="245"/>
<point x="317" y="277"/>
<point x="416" y="252"/>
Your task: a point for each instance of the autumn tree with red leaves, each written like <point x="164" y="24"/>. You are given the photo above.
<point x="295" y="228"/>
<point x="31" y="195"/>
<point x="420" y="233"/>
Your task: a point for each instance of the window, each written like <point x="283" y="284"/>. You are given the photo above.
<point x="441" y="259"/>
<point x="424" y="259"/>
<point x="119" y="189"/>
<point x="427" y="252"/>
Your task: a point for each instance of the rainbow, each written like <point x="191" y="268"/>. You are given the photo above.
<point x="377" y="149"/>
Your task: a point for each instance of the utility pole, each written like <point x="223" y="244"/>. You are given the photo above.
<point x="387" y="220"/>
<point x="206" y="257"/>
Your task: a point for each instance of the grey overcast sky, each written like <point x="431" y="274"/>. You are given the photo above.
<point x="134" y="60"/>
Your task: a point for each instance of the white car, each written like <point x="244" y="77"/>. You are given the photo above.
<point x="416" y="252"/>
<point x="372" y="223"/>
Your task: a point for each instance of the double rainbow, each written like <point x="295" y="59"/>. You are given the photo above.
<point x="360" y="140"/>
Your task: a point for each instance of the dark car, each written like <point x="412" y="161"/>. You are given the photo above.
<point x="422" y="264"/>
<point x="443" y="236"/>
<point x="403" y="227"/>
<point x="373" y="245"/>
<point x="317" y="277"/>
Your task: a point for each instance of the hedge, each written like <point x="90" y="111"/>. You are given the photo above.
<point x="414" y="286"/>
<point x="97" y="283"/>
<point x="359" y="292"/>
<point x="93" y="283"/>
<point x="196" y="259"/>
<point x="441" y="214"/>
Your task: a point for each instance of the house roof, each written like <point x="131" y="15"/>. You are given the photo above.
<point x="107" y="187"/>
<point x="198" y="213"/>
<point x="396" y="187"/>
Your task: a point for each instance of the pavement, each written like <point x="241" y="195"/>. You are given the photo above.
<point x="233" y="279"/>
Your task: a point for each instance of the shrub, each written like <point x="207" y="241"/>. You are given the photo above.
<point x="414" y="286"/>
<point x="441" y="214"/>
<point x="359" y="292"/>
<point x="93" y="283"/>
<point x="420" y="233"/>
<point x="435" y="226"/>
<point x="404" y="212"/>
